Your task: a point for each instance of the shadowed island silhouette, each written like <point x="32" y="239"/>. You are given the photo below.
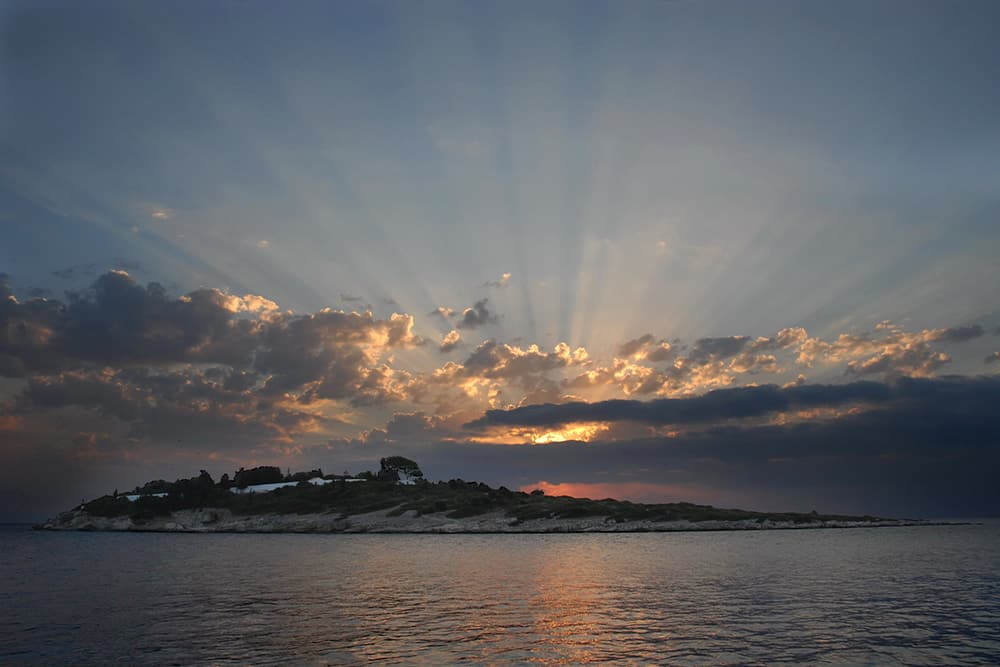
<point x="398" y="499"/>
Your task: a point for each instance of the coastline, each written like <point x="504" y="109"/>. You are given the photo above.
<point x="211" y="520"/>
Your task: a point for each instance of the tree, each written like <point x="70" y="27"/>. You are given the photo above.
<point x="400" y="468"/>
<point x="259" y="475"/>
<point x="193" y="492"/>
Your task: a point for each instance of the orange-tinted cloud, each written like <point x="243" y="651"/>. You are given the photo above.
<point x="450" y="341"/>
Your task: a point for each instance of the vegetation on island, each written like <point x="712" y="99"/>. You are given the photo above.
<point x="382" y="490"/>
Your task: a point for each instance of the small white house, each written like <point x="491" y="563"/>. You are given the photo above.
<point x="266" y="488"/>
<point x="135" y="496"/>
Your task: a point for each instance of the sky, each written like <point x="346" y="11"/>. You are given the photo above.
<point x="742" y="254"/>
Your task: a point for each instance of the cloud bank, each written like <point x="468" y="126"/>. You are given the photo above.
<point x="123" y="374"/>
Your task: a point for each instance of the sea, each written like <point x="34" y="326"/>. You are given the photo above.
<point x="927" y="595"/>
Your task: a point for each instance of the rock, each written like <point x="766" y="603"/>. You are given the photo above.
<point x="222" y="520"/>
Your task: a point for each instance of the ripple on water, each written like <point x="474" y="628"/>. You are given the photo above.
<point x="921" y="596"/>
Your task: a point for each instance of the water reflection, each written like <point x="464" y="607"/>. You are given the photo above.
<point x="900" y="596"/>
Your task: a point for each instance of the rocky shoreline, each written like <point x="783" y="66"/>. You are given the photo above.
<point x="224" y="521"/>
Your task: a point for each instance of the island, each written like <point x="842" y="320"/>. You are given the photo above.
<point x="397" y="499"/>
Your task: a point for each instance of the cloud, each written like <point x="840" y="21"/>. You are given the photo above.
<point x="891" y="352"/>
<point x="334" y="355"/>
<point x="249" y="303"/>
<point x="721" y="404"/>
<point x="122" y="326"/>
<point x="417" y="425"/>
<point x="118" y="321"/>
<point x="501" y="283"/>
<point x="495" y="360"/>
<point x="712" y="363"/>
<point x="120" y="366"/>
<point x="169" y="407"/>
<point x="476" y="316"/>
<point x="406" y="429"/>
<point x="709" y="349"/>
<point x="443" y="312"/>
<point x="960" y="334"/>
<point x="161" y="213"/>
<point x="929" y="449"/>
<point x="992" y="358"/>
<point x="646" y="347"/>
<point x="919" y="360"/>
<point x="450" y="341"/>
<point x="634" y="346"/>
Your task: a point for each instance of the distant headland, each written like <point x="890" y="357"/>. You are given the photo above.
<point x="397" y="499"/>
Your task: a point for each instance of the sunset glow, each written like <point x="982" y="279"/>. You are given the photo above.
<point x="672" y="257"/>
<point x="500" y="332"/>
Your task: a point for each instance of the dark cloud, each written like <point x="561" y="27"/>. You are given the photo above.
<point x="199" y="408"/>
<point x="662" y="351"/>
<point x="409" y="425"/>
<point x="631" y="347"/>
<point x="992" y="358"/>
<point x="407" y="429"/>
<point x="350" y="298"/>
<point x="960" y="334"/>
<point x="117" y="321"/>
<point x="205" y="371"/>
<point x="736" y="403"/>
<point x="121" y="323"/>
<point x="476" y="316"/>
<point x="29" y="334"/>
<point x="334" y="353"/>
<point x="933" y="454"/>
<point x="709" y="349"/>
<point x="931" y="449"/>
<point x="647" y="348"/>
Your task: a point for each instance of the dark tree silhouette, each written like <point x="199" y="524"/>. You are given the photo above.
<point x="259" y="475"/>
<point x="400" y="468"/>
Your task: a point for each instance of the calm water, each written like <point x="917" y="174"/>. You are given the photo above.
<point x="928" y="596"/>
